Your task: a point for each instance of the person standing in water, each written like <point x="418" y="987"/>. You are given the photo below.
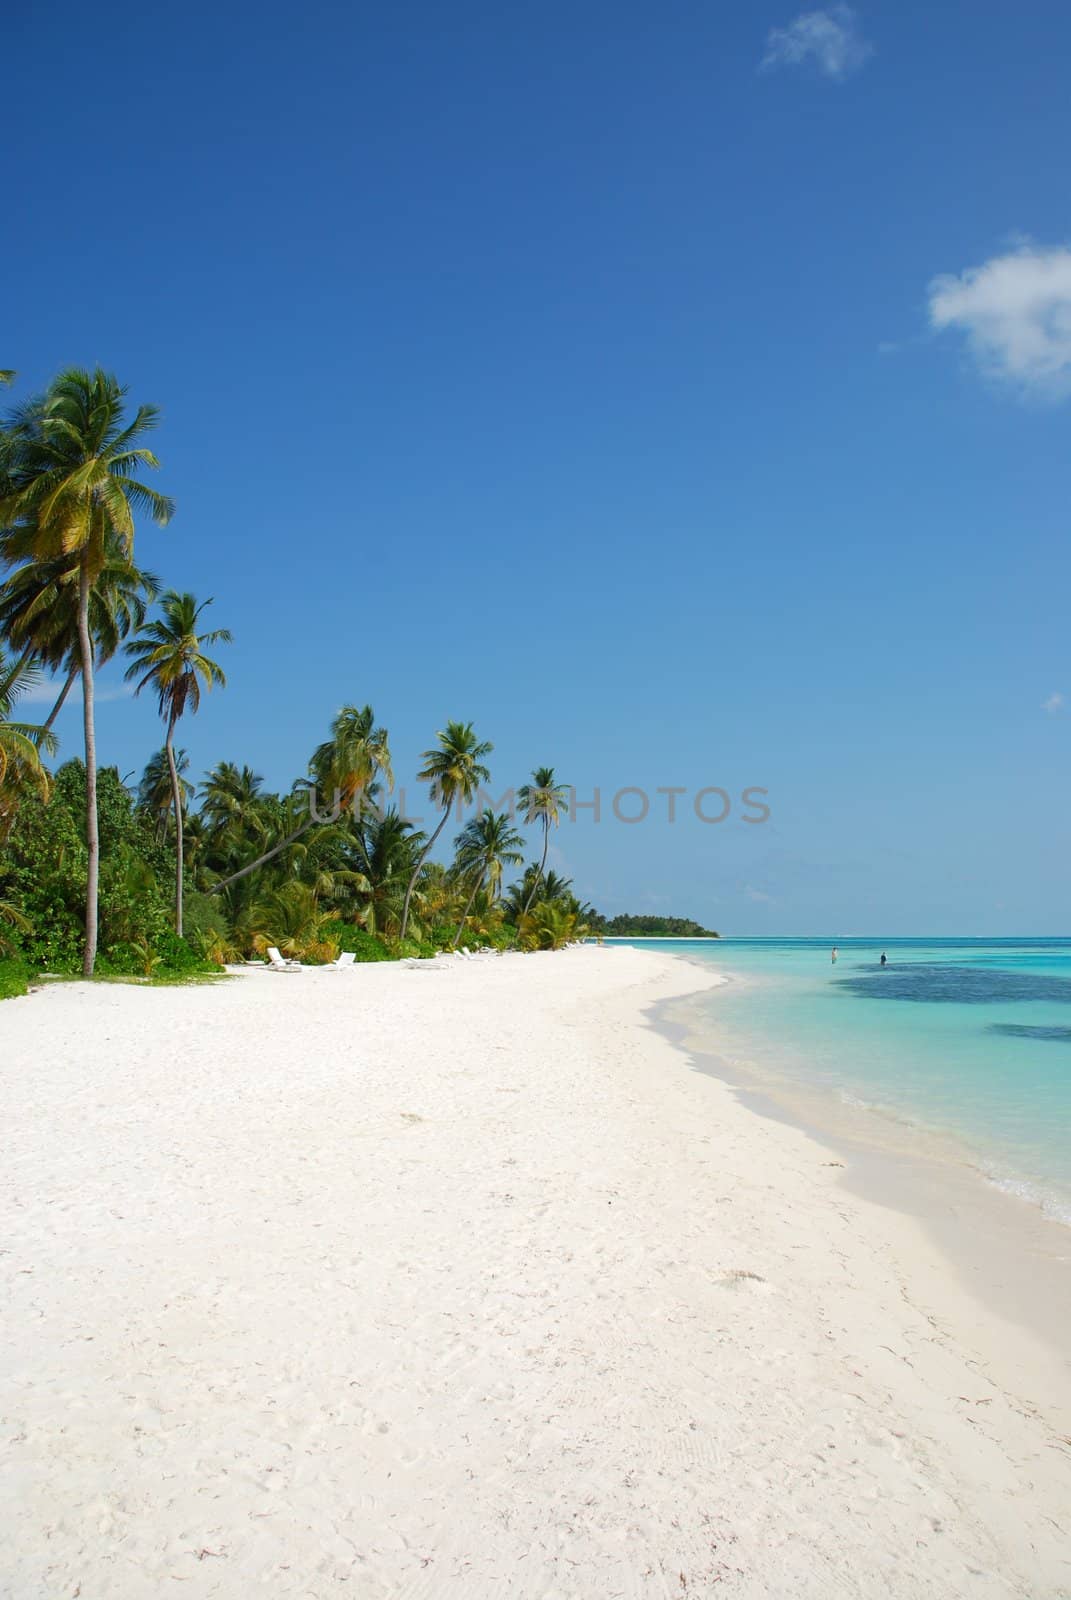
<point x="833" y="955"/>
<point x="884" y="959"/>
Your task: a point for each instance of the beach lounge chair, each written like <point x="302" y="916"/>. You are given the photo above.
<point x="344" y="962"/>
<point x="278" y="963"/>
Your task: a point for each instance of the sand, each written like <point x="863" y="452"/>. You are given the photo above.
<point x="460" y="1283"/>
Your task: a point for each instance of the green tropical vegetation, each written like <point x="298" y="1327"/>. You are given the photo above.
<point x="168" y="878"/>
<point x="71" y="466"/>
<point x="627" y="926"/>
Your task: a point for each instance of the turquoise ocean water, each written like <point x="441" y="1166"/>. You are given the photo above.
<point x="967" y="1038"/>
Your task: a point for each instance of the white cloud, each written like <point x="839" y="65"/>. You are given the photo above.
<point x="758" y="895"/>
<point x="1054" y="703"/>
<point x="39" y="694"/>
<point x="44" y="694"/>
<point x="831" y="39"/>
<point x="1015" y="313"/>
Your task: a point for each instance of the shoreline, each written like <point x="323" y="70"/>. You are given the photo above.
<point x="1009" y="1260"/>
<point x="452" y="1284"/>
<point x="823" y="1109"/>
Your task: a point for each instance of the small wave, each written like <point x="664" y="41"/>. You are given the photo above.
<point x="1057" y="1207"/>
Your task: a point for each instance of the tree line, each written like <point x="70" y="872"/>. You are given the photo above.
<point x="174" y="875"/>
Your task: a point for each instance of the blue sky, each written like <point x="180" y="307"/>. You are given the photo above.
<point x="680" y="393"/>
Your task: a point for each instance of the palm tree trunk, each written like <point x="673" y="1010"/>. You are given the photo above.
<point x="416" y="870"/>
<point x="65" y="691"/>
<point x="284" y="844"/>
<point x="465" y="913"/>
<point x="538" y="879"/>
<point x="92" y="832"/>
<point x="176" y="800"/>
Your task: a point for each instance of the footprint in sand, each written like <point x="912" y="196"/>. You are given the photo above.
<point x="742" y="1279"/>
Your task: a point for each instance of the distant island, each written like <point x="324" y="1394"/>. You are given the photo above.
<point x="629" y="927"/>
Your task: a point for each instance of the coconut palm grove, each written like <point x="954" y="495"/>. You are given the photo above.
<point x="177" y="877"/>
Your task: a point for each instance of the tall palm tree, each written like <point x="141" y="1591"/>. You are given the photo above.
<point x="39" y="612"/>
<point x="454" y="769"/>
<point x="70" y="475"/>
<point x="486" y="844"/>
<point x="169" y="655"/>
<point x="348" y="764"/>
<point x="544" y="800"/>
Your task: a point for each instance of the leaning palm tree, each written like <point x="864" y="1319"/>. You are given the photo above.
<point x="454" y="770"/>
<point x="169" y="655"/>
<point x="486" y="844"/>
<point x="543" y="800"/>
<point x="346" y="765"/>
<point x="39" y="612"/>
<point x="70" y="466"/>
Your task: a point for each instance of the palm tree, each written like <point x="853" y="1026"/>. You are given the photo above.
<point x="454" y="771"/>
<point x="155" y="796"/>
<point x="234" y="815"/>
<point x="345" y="765"/>
<point x="544" y="800"/>
<point x="550" y="925"/>
<point x="230" y="794"/>
<point x="70" y="466"/>
<point x="486" y="844"/>
<point x="290" y="917"/>
<point x="20" y="744"/>
<point x="168" y="654"/>
<point x="39" y="612"/>
<point x="519" y="895"/>
<point x="386" y="847"/>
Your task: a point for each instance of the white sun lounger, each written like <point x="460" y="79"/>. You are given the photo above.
<point x="278" y="963"/>
<point x="344" y="962"/>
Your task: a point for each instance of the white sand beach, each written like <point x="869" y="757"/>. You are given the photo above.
<point x="458" y="1283"/>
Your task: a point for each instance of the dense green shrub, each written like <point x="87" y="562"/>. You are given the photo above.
<point x="202" y="916"/>
<point x="14" y="977"/>
<point x="365" y="946"/>
<point x="498" y="938"/>
<point x="409" y="949"/>
<point x="43" y="874"/>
